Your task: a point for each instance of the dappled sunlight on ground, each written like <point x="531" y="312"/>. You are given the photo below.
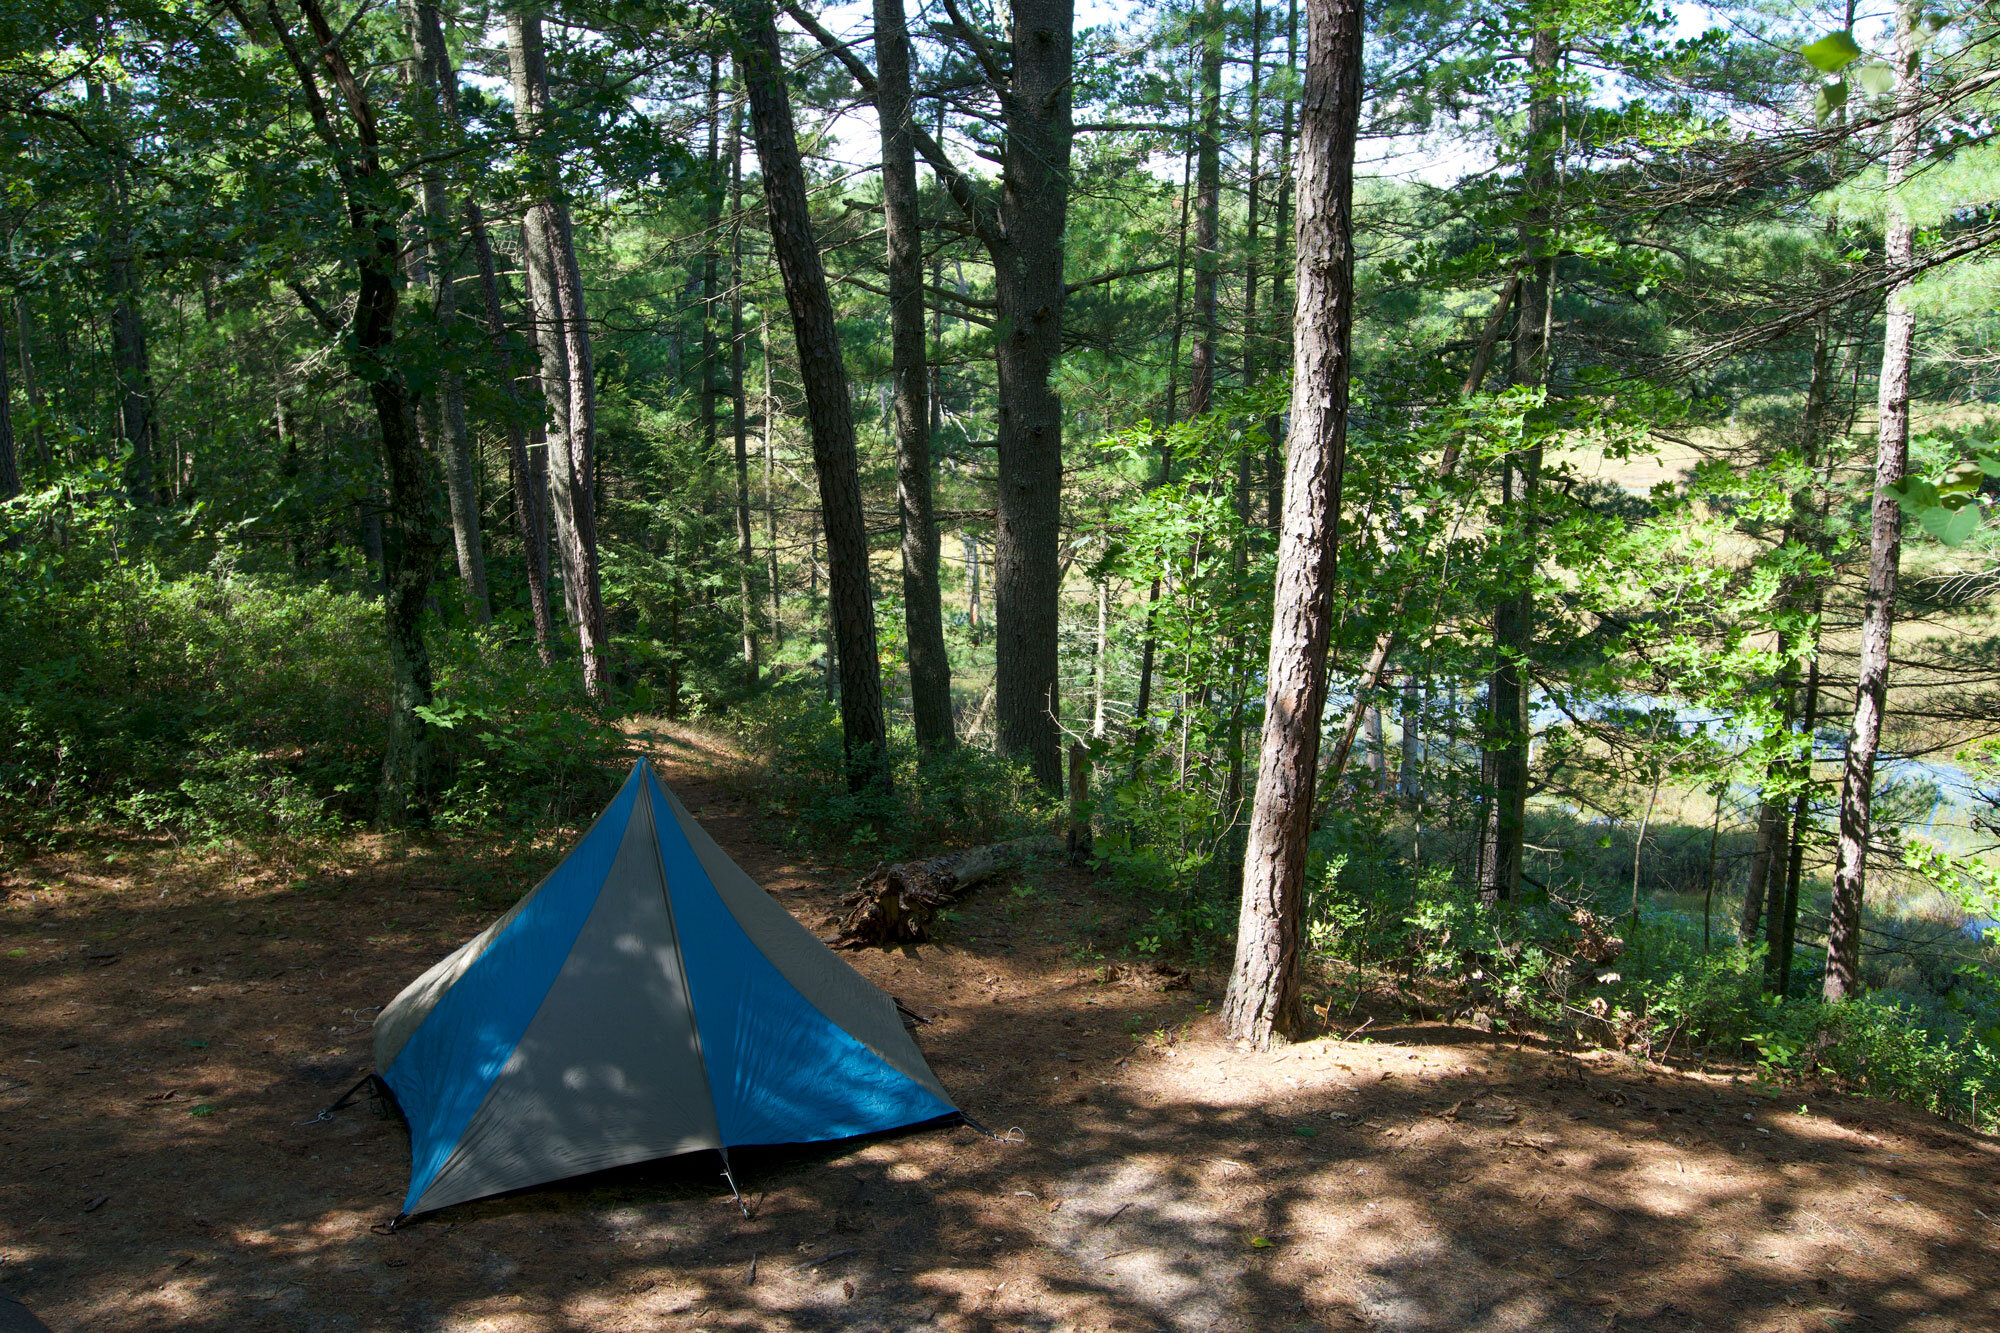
<point x="164" y="1028"/>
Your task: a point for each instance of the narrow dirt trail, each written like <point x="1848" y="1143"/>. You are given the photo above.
<point x="162" y="1032"/>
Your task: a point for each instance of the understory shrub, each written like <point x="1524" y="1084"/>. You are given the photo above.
<point x="943" y="802"/>
<point x="1577" y="963"/>
<point x="214" y="703"/>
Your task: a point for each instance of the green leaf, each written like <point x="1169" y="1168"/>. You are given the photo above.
<point x="1916" y="496"/>
<point x="1832" y="52"/>
<point x="1964" y="477"/>
<point x="1963" y="524"/>
<point x="1876" y="79"/>
<point x="1829" y="98"/>
<point x="1261" y="1243"/>
<point x="1989" y="464"/>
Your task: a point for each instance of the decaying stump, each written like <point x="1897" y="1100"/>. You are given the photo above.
<point x="897" y="904"/>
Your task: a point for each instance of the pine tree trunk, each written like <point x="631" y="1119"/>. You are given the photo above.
<point x="555" y="287"/>
<point x="437" y="130"/>
<point x="1253" y="191"/>
<point x="530" y="475"/>
<point x="1507" y="723"/>
<point x="1274" y="468"/>
<point x="973" y="618"/>
<point x="770" y="479"/>
<point x="138" y="426"/>
<point x="863" y="729"/>
<point x="1885" y="542"/>
<point x="1207" y="212"/>
<point x="923" y="614"/>
<point x="1149" y="650"/>
<point x="746" y="556"/>
<point x="1263" y="996"/>
<point x="1409" y="772"/>
<point x="1028" y="250"/>
<point x="10" y="467"/>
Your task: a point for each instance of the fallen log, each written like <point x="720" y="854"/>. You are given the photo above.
<point x="897" y="904"/>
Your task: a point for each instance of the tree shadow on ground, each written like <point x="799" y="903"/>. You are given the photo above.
<point x="1435" y="1180"/>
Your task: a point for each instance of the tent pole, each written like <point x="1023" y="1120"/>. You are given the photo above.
<point x="730" y="1176"/>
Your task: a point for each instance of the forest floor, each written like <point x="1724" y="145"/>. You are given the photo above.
<point x="169" y="1027"/>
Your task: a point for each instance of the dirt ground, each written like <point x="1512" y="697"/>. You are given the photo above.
<point x="167" y="1025"/>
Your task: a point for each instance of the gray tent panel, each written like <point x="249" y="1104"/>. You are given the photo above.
<point x="404" y="1014"/>
<point x="609" y="1072"/>
<point x="843" y="995"/>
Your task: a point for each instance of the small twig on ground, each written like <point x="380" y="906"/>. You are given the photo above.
<point x="1358" y="1031"/>
<point x="837" y="1254"/>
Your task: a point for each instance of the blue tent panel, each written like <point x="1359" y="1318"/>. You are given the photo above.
<point x="779" y="1069"/>
<point x="445" y="1069"/>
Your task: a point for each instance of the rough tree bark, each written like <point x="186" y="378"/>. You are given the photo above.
<point x="1207" y="212"/>
<point x="1022" y="231"/>
<point x="562" y="324"/>
<point x="1274" y="465"/>
<point x="770" y="419"/>
<point x="530" y="509"/>
<point x="1263" y="997"/>
<point x="1885" y="542"/>
<point x="923" y="613"/>
<point x="436" y="125"/>
<point x="746" y="556"/>
<point x="829" y="413"/>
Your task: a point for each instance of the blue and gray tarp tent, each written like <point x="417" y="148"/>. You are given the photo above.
<point x="646" y="999"/>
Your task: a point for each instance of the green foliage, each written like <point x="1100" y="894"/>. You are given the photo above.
<point x="939" y="802"/>
<point x="1883" y="1046"/>
<point x="216" y="703"/>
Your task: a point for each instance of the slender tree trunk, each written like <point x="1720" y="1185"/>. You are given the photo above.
<point x="1207" y="212"/>
<point x="1783" y="912"/>
<point x="1251" y="333"/>
<point x="974" y="618"/>
<point x="1885" y="542"/>
<point x="555" y="288"/>
<point x="1507" y="724"/>
<point x="437" y="126"/>
<point x="1274" y="471"/>
<point x="1263" y="996"/>
<point x="530" y="474"/>
<point x="1148" y="651"/>
<point x="1768" y="860"/>
<point x="414" y="537"/>
<point x="10" y="468"/>
<point x="923" y="615"/>
<point x="864" y="732"/>
<point x="770" y="478"/>
<point x="31" y="385"/>
<point x="138" y="426"/>
<point x="1378" y="756"/>
<point x="1409" y="773"/>
<point x="746" y="556"/>
<point x="711" y="264"/>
